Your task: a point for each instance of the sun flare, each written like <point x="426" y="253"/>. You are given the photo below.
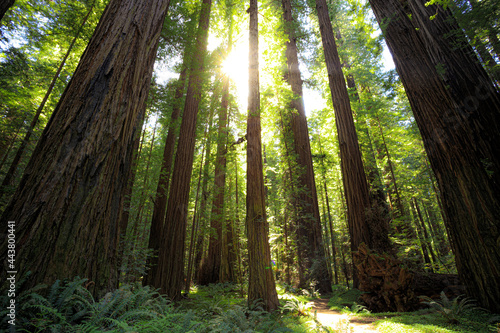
<point x="236" y="67"/>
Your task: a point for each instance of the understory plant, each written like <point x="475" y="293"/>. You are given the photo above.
<point x="450" y="309"/>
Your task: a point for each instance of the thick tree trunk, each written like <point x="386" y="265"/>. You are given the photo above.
<point x="170" y="273"/>
<point x="361" y="229"/>
<point x="457" y="113"/>
<point x="9" y="177"/>
<point x="4" y="6"/>
<point x="310" y="241"/>
<point x="261" y="286"/>
<point x="69" y="203"/>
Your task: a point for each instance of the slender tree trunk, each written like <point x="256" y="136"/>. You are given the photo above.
<point x="4" y="6"/>
<point x="211" y="268"/>
<point x="423" y="230"/>
<point x="261" y="284"/>
<point x="196" y="220"/>
<point x="330" y="222"/>
<point x="10" y="146"/>
<point x="170" y="273"/>
<point x="310" y="242"/>
<point x="203" y="211"/>
<point x="143" y="196"/>
<point x="69" y="203"/>
<point x="458" y="121"/>
<point x="423" y="244"/>
<point x="127" y="194"/>
<point x="9" y="177"/>
<point x="160" y="203"/>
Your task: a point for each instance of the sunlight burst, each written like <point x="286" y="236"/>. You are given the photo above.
<point x="236" y="67"/>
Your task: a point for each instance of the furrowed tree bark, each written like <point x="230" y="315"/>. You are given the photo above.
<point x="9" y="177"/>
<point x="354" y="178"/>
<point x="4" y="6"/>
<point x="170" y="273"/>
<point x="457" y="115"/>
<point x="68" y="205"/>
<point x="310" y="240"/>
<point x="261" y="284"/>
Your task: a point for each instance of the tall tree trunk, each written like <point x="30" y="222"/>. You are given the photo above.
<point x="170" y="272"/>
<point x="196" y="220"/>
<point x="458" y="121"/>
<point x="160" y="203"/>
<point x="310" y="241"/>
<point x="4" y="6"/>
<point x="203" y="211"/>
<point x="9" y="177"/>
<point x="261" y="284"/>
<point x="356" y="187"/>
<point x="423" y="244"/>
<point x="69" y="203"/>
<point x="211" y="269"/>
<point x="127" y="194"/>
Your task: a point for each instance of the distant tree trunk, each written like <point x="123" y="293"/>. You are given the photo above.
<point x="228" y="260"/>
<point x="424" y="231"/>
<point x="70" y="199"/>
<point x="330" y="222"/>
<point x="9" y="147"/>
<point x="423" y="244"/>
<point x="160" y="203"/>
<point x="170" y="272"/>
<point x="310" y="241"/>
<point x="459" y="123"/>
<point x="203" y="211"/>
<point x="196" y="220"/>
<point x="261" y="284"/>
<point x="356" y="187"/>
<point x="211" y="268"/>
<point x="127" y="194"/>
<point x="4" y="6"/>
<point x="9" y="177"/>
<point x="143" y="196"/>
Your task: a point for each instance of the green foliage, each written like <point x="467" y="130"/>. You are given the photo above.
<point x="451" y="309"/>
<point x="297" y="307"/>
<point x="343" y="298"/>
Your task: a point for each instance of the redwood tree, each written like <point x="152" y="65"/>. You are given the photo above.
<point x="361" y="229"/>
<point x="310" y="242"/>
<point x="457" y="113"/>
<point x="170" y="273"/>
<point x="261" y="284"/>
<point x="68" y="205"/>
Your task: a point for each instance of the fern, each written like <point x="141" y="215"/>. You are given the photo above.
<point x="451" y="309"/>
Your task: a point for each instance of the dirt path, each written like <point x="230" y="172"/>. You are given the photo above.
<point x="339" y="321"/>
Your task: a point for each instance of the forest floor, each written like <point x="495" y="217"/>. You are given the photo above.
<point x="338" y="320"/>
<point x="341" y="312"/>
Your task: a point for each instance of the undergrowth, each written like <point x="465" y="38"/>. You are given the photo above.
<point x="442" y="315"/>
<point x="67" y="306"/>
